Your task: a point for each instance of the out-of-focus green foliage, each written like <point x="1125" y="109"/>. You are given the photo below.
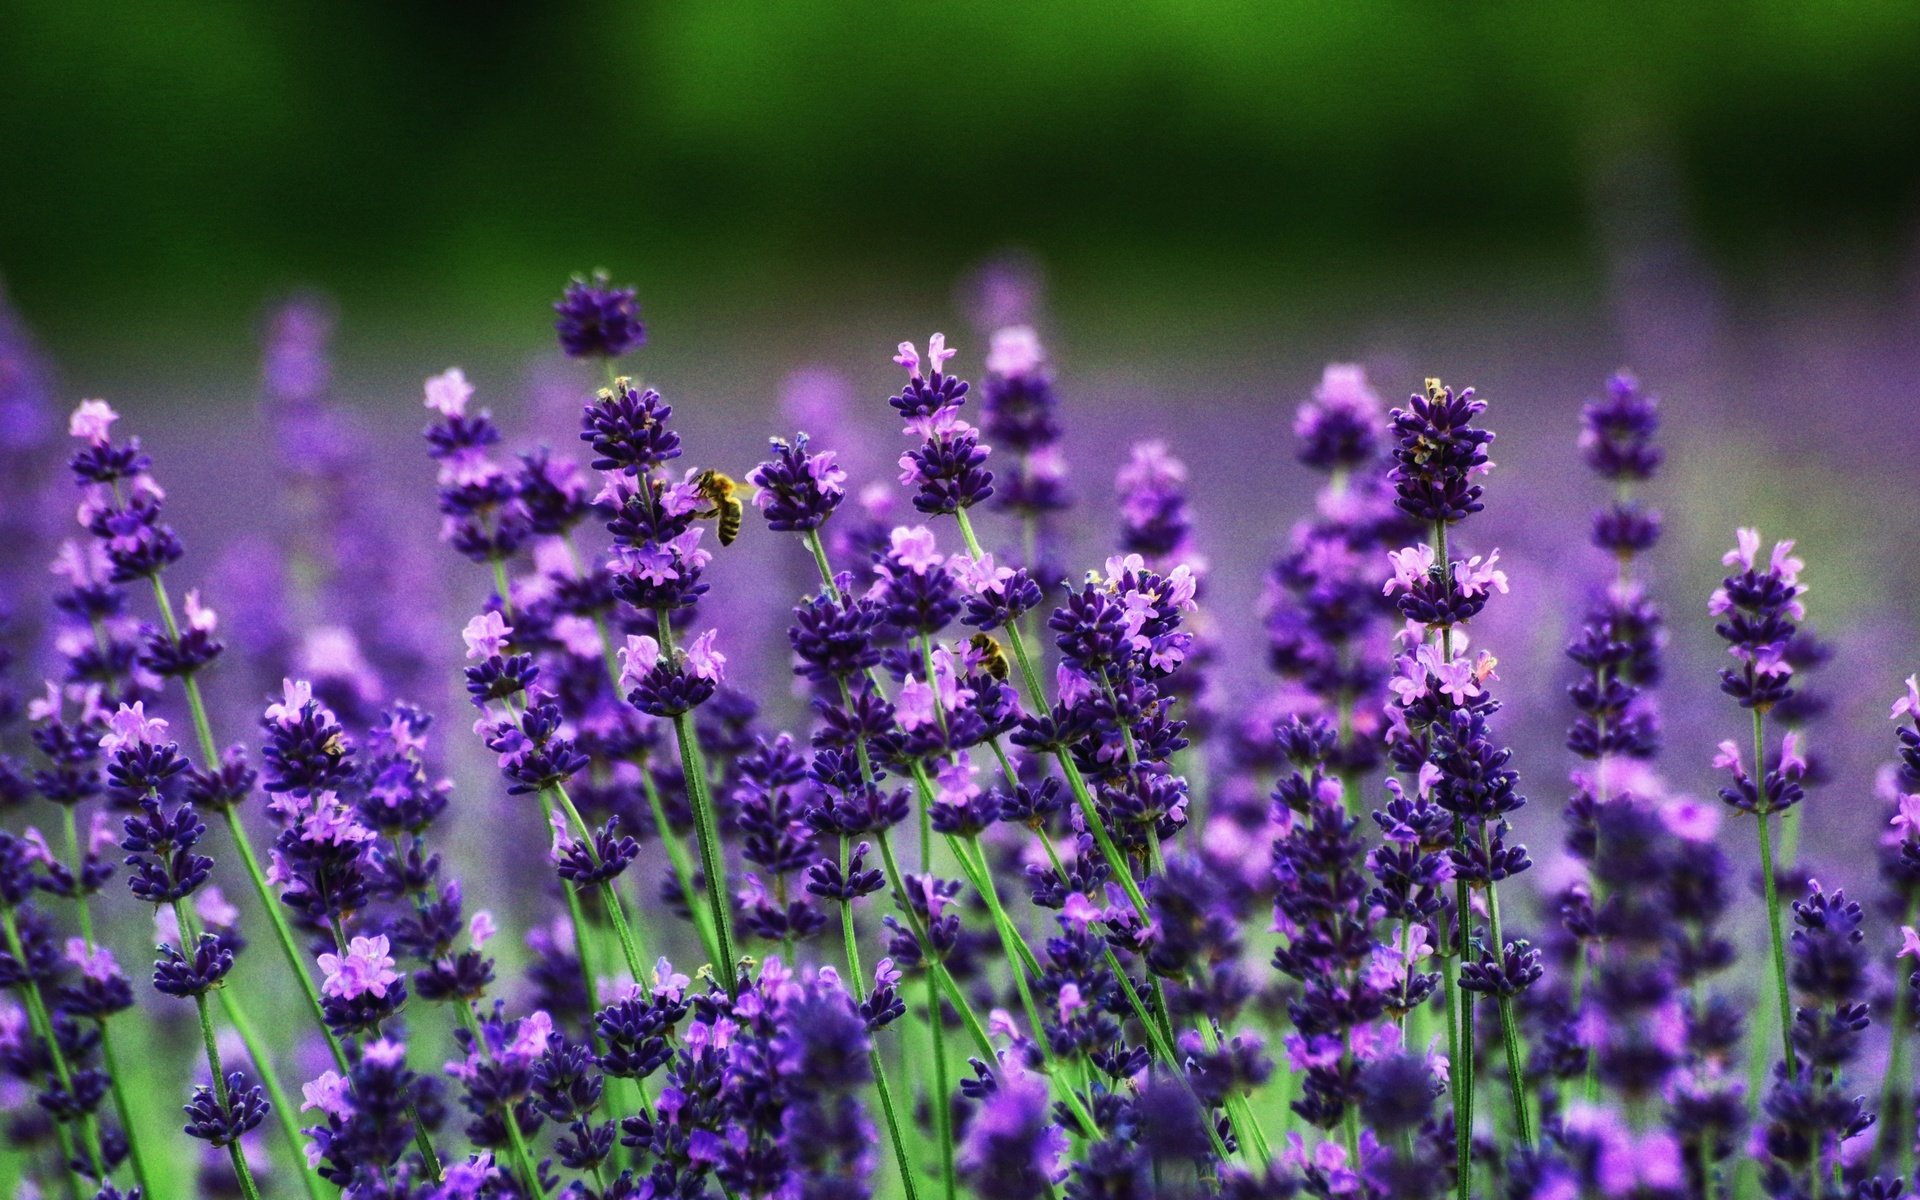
<point x="194" y="155"/>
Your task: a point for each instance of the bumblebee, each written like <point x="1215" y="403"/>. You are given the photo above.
<point x="993" y="660"/>
<point x="723" y="494"/>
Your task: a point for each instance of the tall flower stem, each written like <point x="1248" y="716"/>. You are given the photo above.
<point x="210" y="753"/>
<point x="1462" y="1065"/>
<point x="676" y="852"/>
<point x="240" y="1169"/>
<point x="1246" y="1129"/>
<point x="285" y="1114"/>
<point x="1896" y="1095"/>
<point x="1775" y="938"/>
<point x="693" y="765"/>
<point x="248" y="1187"/>
<point x="136" y="1159"/>
<point x="42" y="1020"/>
<point x="523" y="1158"/>
<point x="577" y="916"/>
<point x="856" y="978"/>
<point x="1509" y="1028"/>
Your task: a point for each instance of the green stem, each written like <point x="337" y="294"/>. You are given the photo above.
<point x="240" y="1169"/>
<point x="1462" y="1066"/>
<point x="1896" y="1096"/>
<point x="712" y="862"/>
<point x="1776" y="940"/>
<point x="42" y="1021"/>
<point x="285" y="1114"/>
<point x="856" y="978"/>
<point x="210" y="753"/>
<point x="522" y="1156"/>
<point x="85" y="910"/>
<point x="1509" y="1031"/>
<point x="582" y="931"/>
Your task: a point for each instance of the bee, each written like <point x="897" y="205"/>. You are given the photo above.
<point x="992" y="658"/>
<point x="722" y="493"/>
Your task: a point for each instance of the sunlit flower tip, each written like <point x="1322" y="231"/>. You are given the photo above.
<point x="330" y="1094"/>
<point x="885" y="974"/>
<point x="1079" y="911"/>
<point x="1728" y="759"/>
<point x="562" y="841"/>
<point x="130" y="726"/>
<point x="1793" y="763"/>
<point x="200" y="617"/>
<point x="96" y="963"/>
<point x="909" y="358"/>
<point x="665" y="978"/>
<point x="705" y="661"/>
<point x="937" y="353"/>
<point x="1690" y="820"/>
<point x="295" y="695"/>
<point x="1000" y="1024"/>
<point x="92" y="421"/>
<point x="448" y="392"/>
<point x="481" y="929"/>
<point x="1071" y="1001"/>
<point x="916" y="548"/>
<point x="1411" y="566"/>
<point x="365" y="969"/>
<point x="214" y="909"/>
<point x="640" y="655"/>
<point x="1015" y="352"/>
<point x="486" y="635"/>
<point x="1909" y="943"/>
<point x="1909" y="704"/>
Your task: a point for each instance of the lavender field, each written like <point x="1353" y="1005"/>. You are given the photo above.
<point x="1055" y="765"/>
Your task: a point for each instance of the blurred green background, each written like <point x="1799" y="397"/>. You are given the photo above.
<point x="168" y="163"/>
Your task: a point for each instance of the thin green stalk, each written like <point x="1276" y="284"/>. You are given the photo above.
<point x="676" y="853"/>
<point x="286" y="1116"/>
<point x="682" y="866"/>
<point x="1462" y="1066"/>
<point x="856" y="978"/>
<point x="712" y="856"/>
<point x="135" y="1157"/>
<point x="522" y="1156"/>
<point x="1509" y="1031"/>
<point x="693" y="766"/>
<point x="210" y="754"/>
<point x="582" y="931"/>
<point x="1896" y="1096"/>
<point x="940" y="1102"/>
<point x="42" y="1021"/>
<point x="240" y="1169"/>
<point x="1777" y="942"/>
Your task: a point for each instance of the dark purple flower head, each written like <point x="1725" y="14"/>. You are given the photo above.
<point x="481" y="516"/>
<point x="664" y="685"/>
<point x="596" y="319"/>
<point x="628" y="429"/>
<point x="1154" y="521"/>
<point x="1758" y="607"/>
<point x="834" y="638"/>
<point x="798" y="488"/>
<point x="1339" y="429"/>
<point x="221" y="1123"/>
<point x="926" y="394"/>
<point x="1616" y="433"/>
<point x="1438" y="454"/>
<point x="1013" y="1148"/>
